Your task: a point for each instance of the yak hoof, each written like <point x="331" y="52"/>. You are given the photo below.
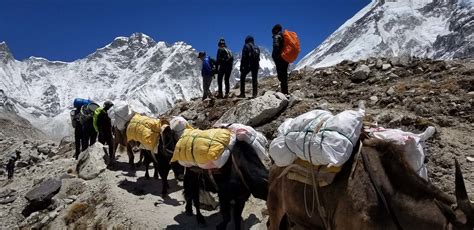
<point x="180" y="177"/>
<point x="189" y="212"/>
<point x="147" y="176"/>
<point x="201" y="221"/>
<point x="221" y="226"/>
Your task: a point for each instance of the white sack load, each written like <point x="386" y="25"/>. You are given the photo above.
<point x="318" y="137"/>
<point x="178" y="124"/>
<point x="412" y="143"/>
<point x="250" y="136"/>
<point x="120" y="114"/>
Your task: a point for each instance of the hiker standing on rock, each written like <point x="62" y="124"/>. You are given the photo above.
<point x="249" y="63"/>
<point x="281" y="65"/>
<point x="286" y="47"/>
<point x="103" y="126"/>
<point x="225" y="61"/>
<point x="207" y="72"/>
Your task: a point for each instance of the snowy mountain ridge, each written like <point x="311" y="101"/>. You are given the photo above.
<point x="440" y="29"/>
<point x="148" y="75"/>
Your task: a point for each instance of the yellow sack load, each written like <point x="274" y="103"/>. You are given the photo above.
<point x="207" y="149"/>
<point x="145" y="130"/>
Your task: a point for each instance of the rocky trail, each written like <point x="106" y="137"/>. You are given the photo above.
<point x="405" y="93"/>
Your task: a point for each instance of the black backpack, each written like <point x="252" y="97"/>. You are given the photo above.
<point x="228" y="55"/>
<point x="213" y="66"/>
<point x="87" y="112"/>
<point x="254" y="54"/>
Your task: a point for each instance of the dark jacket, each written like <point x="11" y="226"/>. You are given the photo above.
<point x="277" y="46"/>
<point x="224" y="56"/>
<point x="105" y="125"/>
<point x="248" y="62"/>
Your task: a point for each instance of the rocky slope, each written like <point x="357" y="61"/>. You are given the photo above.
<point x="423" y="28"/>
<point x="400" y="93"/>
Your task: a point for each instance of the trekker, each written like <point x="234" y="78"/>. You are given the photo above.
<point x="103" y="126"/>
<point x="249" y="63"/>
<point x="225" y="61"/>
<point x="77" y="130"/>
<point x="281" y="64"/>
<point x="207" y="72"/>
<point x="11" y="164"/>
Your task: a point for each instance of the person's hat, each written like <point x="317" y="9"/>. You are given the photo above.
<point x="108" y="104"/>
<point x="201" y="54"/>
<point x="221" y="42"/>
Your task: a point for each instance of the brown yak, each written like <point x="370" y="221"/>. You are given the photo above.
<point x="392" y="196"/>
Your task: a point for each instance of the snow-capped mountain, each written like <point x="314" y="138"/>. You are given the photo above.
<point x="441" y="29"/>
<point x="267" y="66"/>
<point x="148" y="75"/>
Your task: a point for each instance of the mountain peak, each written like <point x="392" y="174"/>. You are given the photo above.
<point x="5" y="53"/>
<point x="385" y="28"/>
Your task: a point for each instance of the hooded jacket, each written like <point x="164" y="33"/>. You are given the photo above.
<point x="248" y="62"/>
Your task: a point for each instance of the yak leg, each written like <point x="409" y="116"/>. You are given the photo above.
<point x="163" y="167"/>
<point x="238" y="209"/>
<point x="225" y="212"/>
<point x="130" y="157"/>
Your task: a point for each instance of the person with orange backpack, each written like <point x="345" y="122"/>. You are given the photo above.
<point x="286" y="48"/>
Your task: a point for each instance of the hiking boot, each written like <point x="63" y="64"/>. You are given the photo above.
<point x="241" y="96"/>
<point x="226" y="95"/>
<point x="219" y="96"/>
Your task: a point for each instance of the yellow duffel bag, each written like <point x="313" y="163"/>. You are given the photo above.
<point x="145" y="130"/>
<point x="207" y="149"/>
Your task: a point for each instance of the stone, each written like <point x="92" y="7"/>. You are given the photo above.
<point x="40" y="197"/>
<point x="45" y="191"/>
<point x="386" y="66"/>
<point x="392" y="76"/>
<point x="91" y="162"/>
<point x="257" y="111"/>
<point x="470" y="159"/>
<point x="360" y="74"/>
<point x="374" y="98"/>
<point x="379" y="64"/>
<point x="391" y="91"/>
<point x="21" y="164"/>
<point x="44" y="149"/>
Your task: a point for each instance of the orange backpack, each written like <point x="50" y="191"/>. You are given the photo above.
<point x="291" y="46"/>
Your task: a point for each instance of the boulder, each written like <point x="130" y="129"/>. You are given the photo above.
<point x="45" y="191"/>
<point x="44" y="149"/>
<point x="257" y="111"/>
<point x="91" y="162"/>
<point x="379" y="64"/>
<point x="360" y="74"/>
<point x="40" y="197"/>
<point x="386" y="66"/>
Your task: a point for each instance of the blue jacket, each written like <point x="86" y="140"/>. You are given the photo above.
<point x="207" y="64"/>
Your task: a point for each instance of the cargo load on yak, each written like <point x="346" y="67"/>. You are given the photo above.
<point x="120" y="115"/>
<point x="145" y="130"/>
<point x="178" y="124"/>
<point x="207" y="149"/>
<point x="413" y="145"/>
<point x="318" y="137"/>
<point x="248" y="134"/>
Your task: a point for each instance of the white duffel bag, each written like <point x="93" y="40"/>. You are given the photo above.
<point x="317" y="137"/>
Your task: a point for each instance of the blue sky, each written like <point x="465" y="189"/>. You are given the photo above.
<point x="67" y="30"/>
